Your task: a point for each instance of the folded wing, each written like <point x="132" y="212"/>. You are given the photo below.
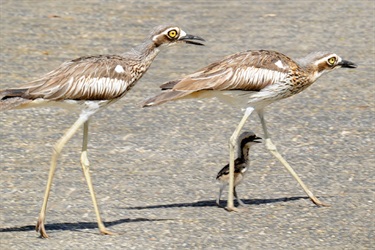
<point x="245" y="71"/>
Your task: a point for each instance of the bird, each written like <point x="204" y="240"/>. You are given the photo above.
<point x="252" y="80"/>
<point x="241" y="164"/>
<point x="89" y="84"/>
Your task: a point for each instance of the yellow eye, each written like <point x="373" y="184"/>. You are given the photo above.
<point x="172" y="33"/>
<point x="331" y="60"/>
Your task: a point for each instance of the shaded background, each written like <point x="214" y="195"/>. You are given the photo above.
<point x="154" y="169"/>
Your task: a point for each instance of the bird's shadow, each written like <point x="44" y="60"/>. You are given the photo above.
<point x="76" y="225"/>
<point x="212" y="203"/>
<point x="93" y="225"/>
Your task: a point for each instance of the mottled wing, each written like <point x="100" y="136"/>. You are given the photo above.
<point x="245" y="71"/>
<point x="250" y="70"/>
<point x="86" y="78"/>
<point x="225" y="169"/>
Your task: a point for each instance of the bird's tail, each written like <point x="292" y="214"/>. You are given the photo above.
<point x="165" y="96"/>
<point x="12" y="99"/>
<point x="169" y="85"/>
<point x="168" y="94"/>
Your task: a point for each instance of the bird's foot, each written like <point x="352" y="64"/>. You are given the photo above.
<point x="231" y="209"/>
<point x="40" y="228"/>
<point x="236" y="209"/>
<point x="218" y="204"/>
<point x="240" y="203"/>
<point x="318" y="202"/>
<point x="105" y="231"/>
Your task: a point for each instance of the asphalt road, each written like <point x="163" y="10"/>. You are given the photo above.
<point x="154" y="169"/>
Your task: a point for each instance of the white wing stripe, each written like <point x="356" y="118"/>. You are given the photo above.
<point x="92" y="87"/>
<point x="257" y="76"/>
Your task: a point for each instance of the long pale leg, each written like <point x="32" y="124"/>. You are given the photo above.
<point x="234" y="193"/>
<point x="232" y="145"/>
<point x="86" y="171"/>
<point x="55" y="154"/>
<point x="272" y="148"/>
<point x="238" y="199"/>
<point x="222" y="186"/>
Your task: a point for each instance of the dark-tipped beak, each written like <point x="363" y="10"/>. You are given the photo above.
<point x="257" y="139"/>
<point x="347" y="64"/>
<point x="190" y="39"/>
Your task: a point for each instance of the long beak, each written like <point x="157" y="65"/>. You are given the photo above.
<point x="188" y="39"/>
<point x="347" y="64"/>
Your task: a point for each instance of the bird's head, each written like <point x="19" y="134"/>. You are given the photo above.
<point x="245" y="141"/>
<point x="249" y="138"/>
<point x="324" y="62"/>
<point x="168" y="35"/>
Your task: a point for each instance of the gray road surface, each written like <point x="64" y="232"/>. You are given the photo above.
<point x="154" y="169"/>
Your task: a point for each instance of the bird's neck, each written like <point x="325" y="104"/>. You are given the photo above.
<point x="311" y="71"/>
<point x="244" y="153"/>
<point x="145" y="52"/>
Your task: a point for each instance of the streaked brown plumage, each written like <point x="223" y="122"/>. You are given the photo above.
<point x="89" y="84"/>
<point x="241" y="164"/>
<point x="255" y="73"/>
<point x="98" y="78"/>
<point x="253" y="80"/>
